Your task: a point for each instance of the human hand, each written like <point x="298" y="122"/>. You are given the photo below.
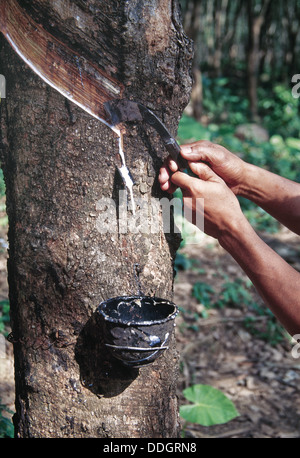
<point x="224" y="163"/>
<point x="222" y="212"/>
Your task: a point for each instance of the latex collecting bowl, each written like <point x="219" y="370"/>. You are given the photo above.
<point x="137" y="328"/>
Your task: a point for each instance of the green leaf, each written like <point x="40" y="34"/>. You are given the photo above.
<point x="210" y="406"/>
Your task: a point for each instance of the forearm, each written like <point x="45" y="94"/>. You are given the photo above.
<point x="276" y="281"/>
<point x="276" y="195"/>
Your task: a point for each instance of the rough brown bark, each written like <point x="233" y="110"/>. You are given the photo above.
<point x="58" y="163"/>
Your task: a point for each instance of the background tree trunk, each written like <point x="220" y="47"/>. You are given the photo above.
<point x="192" y="26"/>
<point x="58" y="163"/>
<point x="255" y="23"/>
<point x="219" y="22"/>
<point x="292" y="10"/>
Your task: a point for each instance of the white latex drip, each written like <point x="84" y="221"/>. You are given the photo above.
<point x="124" y="171"/>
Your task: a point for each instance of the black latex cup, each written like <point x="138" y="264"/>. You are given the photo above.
<point x="137" y="329"/>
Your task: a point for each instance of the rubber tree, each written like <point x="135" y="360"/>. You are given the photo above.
<point x="59" y="162"/>
<point x="255" y="23"/>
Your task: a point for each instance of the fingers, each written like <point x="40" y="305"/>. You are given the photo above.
<point x="200" y="151"/>
<point x="173" y="166"/>
<point x="165" y="174"/>
<point x="196" y="185"/>
<point x="169" y="181"/>
<point x="168" y="187"/>
<point x="203" y="171"/>
<point x="185" y="182"/>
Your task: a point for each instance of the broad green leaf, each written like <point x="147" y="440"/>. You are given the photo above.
<point x="210" y="406"/>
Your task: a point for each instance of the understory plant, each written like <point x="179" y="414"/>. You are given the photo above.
<point x="209" y="406"/>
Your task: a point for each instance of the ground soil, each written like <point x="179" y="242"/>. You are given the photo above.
<point x="262" y="380"/>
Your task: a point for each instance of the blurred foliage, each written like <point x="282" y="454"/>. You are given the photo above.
<point x="259" y="321"/>
<point x="226" y="106"/>
<point x="279" y="110"/>
<point x="254" y="43"/>
<point x="268" y="329"/>
<point x="203" y="293"/>
<point x="223" y="101"/>
<point x="2" y="184"/>
<point x="4" y="316"/>
<point x="182" y="262"/>
<point x="6" y="425"/>
<point x="227" y="109"/>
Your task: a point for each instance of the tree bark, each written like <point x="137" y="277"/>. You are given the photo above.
<point x="192" y="25"/>
<point x="220" y="9"/>
<point x="255" y="23"/>
<point x="58" y="163"/>
<point x="292" y="11"/>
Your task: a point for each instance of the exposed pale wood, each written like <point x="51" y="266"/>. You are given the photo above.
<point x="76" y="78"/>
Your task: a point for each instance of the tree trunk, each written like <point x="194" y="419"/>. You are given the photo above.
<point x="255" y="23"/>
<point x="292" y="11"/>
<point x="192" y="25"/>
<point x="219" y="22"/>
<point x="59" y="162"/>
